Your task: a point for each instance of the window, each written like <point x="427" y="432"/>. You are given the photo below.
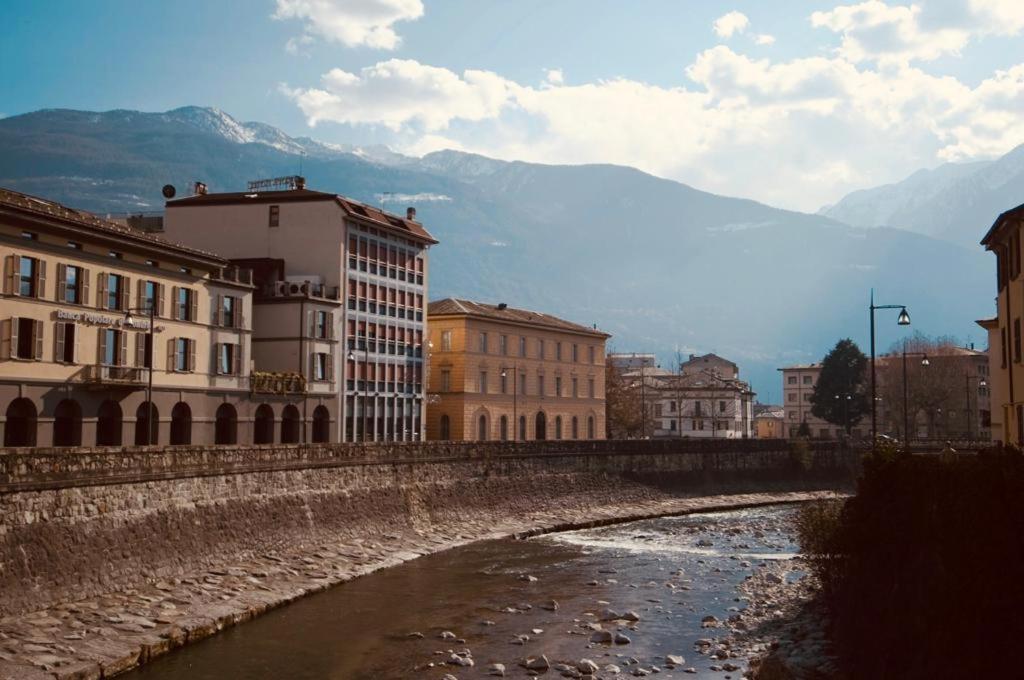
<point x="558" y="385"/>
<point x="593" y="354"/>
<point x="504" y="382"/>
<point x="483" y="382"/>
<point x="446" y="341"/>
<point x="697" y="408"/>
<point x="483" y="342"/>
<point x="1016" y="340"/>
<point x="522" y="346"/>
<point x="29" y="284"/>
<point x="575" y="352"/>
<point x="540" y="348"/>
<point x="275" y="216"/>
<point x="74" y="245"/>
<point x="791" y="380"/>
<point x="522" y="383"/>
<point x="322" y="367"/>
<point x="591" y="391"/>
<point x="116" y="255"/>
<point x="446" y="380"/>
<point x="558" y="351"/>
<point x="23" y="338"/>
<point x="721" y="406"/>
<point x="229" y="311"/>
<point x="153" y="263"/>
<point x="185" y="304"/>
<point x="791" y="396"/>
<point x="575" y="388"/>
<point x="64" y="339"/>
<point x="149" y="296"/>
<point x="503" y="345"/>
<point x="72" y="284"/>
<point x="1003" y="346"/>
<point x="31" y="236"/>
<point x="115" y="289"/>
<point x="807" y="380"/>
<point x="113" y="350"/>
<point x="807" y="397"/>
<point x="540" y="385"/>
<point x="184" y="354"/>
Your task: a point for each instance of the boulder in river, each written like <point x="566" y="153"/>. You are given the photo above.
<point x="674" y="660"/>
<point x="586" y="666"/>
<point x="537" y="663"/>
<point x="496" y="669"/>
<point x="550" y="606"/>
<point x="601" y="636"/>
<point x="621" y="639"/>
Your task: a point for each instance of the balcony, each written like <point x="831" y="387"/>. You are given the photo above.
<point x="100" y="376"/>
<point x="294" y="289"/>
<point x="234" y="275"/>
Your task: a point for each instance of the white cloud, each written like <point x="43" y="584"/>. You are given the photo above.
<point x="554" y="76"/>
<point x="353" y="23"/>
<point x="765" y="39"/>
<point x="729" y="24"/>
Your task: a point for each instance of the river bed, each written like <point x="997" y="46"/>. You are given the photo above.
<point x="495" y="599"/>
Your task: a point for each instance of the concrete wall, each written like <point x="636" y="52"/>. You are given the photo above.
<point x="77" y="524"/>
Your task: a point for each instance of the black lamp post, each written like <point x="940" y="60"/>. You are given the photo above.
<point x="846" y="411"/>
<point x="902" y="320"/>
<point x="149" y="310"/>
<point x="981" y="383"/>
<point x="906" y="403"/>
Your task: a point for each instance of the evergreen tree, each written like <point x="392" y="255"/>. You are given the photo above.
<point x="839" y="396"/>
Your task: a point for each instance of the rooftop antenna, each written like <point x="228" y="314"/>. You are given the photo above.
<point x="384" y="196"/>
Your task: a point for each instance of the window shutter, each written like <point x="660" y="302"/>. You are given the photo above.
<point x="217" y="321"/>
<point x="312" y="366"/>
<point x="191" y="355"/>
<point x="58" y="339"/>
<point x="13" y="274"/>
<point x="311" y="324"/>
<point x="74" y="339"/>
<point x="126" y="293"/>
<point x="40" y="279"/>
<point x="140" y="349"/>
<point x="140" y="294"/>
<point x="101" y="290"/>
<point x="159" y="300"/>
<point x="330" y="367"/>
<point x="193" y="301"/>
<point x="9" y="337"/>
<point x="236" y="360"/>
<point x="174" y="304"/>
<point x="62" y="282"/>
<point x="101" y="346"/>
<point x="172" y="354"/>
<point x="122" y="342"/>
<point x="84" y="283"/>
<point x="330" y="326"/>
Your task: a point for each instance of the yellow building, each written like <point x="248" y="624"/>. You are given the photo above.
<point x="497" y="372"/>
<point x="1005" y="357"/>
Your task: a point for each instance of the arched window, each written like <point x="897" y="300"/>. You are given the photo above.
<point x="321" y="424"/>
<point x="225" y="429"/>
<point x="263" y="425"/>
<point x="20" y="429"/>
<point x="181" y="424"/>
<point x="67" y="424"/>
<point x="481" y="428"/>
<point x="446" y="428"/>
<point x="503" y="427"/>
<point x="591" y="433"/>
<point x="108" y="424"/>
<point x="522" y="428"/>
<point x="558" y="427"/>
<point x="575" y="427"/>
<point x="290" y="425"/>
<point x="541" y="427"/>
<point x="146" y="432"/>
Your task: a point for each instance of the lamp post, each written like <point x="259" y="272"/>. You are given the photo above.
<point x="515" y="398"/>
<point x="902" y="320"/>
<point x="906" y="403"/>
<point x="846" y="412"/>
<point x="150" y="311"/>
<point x="981" y="383"/>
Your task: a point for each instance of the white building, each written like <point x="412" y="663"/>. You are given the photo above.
<point x="702" y="404"/>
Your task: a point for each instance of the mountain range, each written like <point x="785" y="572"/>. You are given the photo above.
<point x="662" y="266"/>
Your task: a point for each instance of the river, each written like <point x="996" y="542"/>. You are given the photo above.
<point x="495" y="598"/>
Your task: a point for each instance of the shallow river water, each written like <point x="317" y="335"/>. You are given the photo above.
<point x="671" y="572"/>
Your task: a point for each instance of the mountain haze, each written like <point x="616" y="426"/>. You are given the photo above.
<point x="660" y="265"/>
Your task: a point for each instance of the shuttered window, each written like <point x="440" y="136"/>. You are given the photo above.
<point x="22" y="338"/>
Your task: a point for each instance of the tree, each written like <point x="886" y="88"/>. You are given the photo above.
<point x="624" y="398"/>
<point x="838" y="397"/>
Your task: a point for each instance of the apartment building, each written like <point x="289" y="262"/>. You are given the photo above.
<point x="797" y="387"/>
<point x="78" y="353"/>
<point x="500" y="373"/>
<point x="706" y="399"/>
<point x="350" y="279"/>
<point x="1006" y="360"/>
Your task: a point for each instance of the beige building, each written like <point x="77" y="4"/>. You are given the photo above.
<point x="500" y="373"/>
<point x="344" y="281"/>
<point x="1006" y="358"/>
<point x="75" y="347"/>
<point x="770" y="424"/>
<point x="797" y="387"/>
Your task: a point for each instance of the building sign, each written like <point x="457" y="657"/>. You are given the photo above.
<point x="265" y="382"/>
<point x="101" y="320"/>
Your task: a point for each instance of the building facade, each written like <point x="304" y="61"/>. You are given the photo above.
<point x="704" y="400"/>
<point x="770" y="424"/>
<point x="797" y="387"/>
<point x="351" y="279"/>
<point x="631" y="361"/>
<point x="1006" y="359"/>
<point x="502" y="373"/>
<point x="709" y="364"/>
<point x="76" y="353"/>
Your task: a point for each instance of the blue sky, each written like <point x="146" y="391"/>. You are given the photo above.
<point x="792" y="103"/>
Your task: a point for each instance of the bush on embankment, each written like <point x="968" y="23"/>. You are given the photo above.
<point x="922" y="568"/>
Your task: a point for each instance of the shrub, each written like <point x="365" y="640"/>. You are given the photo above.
<point x="817" y="529"/>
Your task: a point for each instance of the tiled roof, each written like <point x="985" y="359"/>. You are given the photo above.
<point x="1012" y="212"/>
<point x="351" y="207"/>
<point x="799" y="367"/>
<point x="42" y="208"/>
<point x="457" y="307"/>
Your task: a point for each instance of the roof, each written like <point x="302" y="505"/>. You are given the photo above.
<point x="355" y="209"/>
<point x="798" y="367"/>
<point x="988" y="324"/>
<point x="36" y="208"/>
<point x="459" y="307"/>
<point x="771" y="413"/>
<point x="1000" y="221"/>
<point x="710" y="356"/>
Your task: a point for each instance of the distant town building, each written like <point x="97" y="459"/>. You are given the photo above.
<point x="770" y="423"/>
<point x="75" y="350"/>
<point x="705" y="399"/>
<point x="629" y="361"/>
<point x="709" y="363"/>
<point x="498" y="373"/>
<point x="797" y="387"/>
<point x="342" y="280"/>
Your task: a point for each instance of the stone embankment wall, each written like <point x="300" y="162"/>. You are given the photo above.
<point x="79" y="523"/>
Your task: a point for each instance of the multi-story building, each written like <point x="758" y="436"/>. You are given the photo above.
<point x="797" y="387"/>
<point x="329" y="248"/>
<point x="709" y="364"/>
<point x="78" y="354"/>
<point x="500" y="373"/>
<point x="631" y="361"/>
<point x="1006" y="359"/>
<point x="770" y="423"/>
<point x="705" y="399"/>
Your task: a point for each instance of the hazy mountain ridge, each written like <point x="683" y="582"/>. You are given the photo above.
<point x="658" y="264"/>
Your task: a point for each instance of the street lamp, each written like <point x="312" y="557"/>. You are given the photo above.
<point x="902" y="320"/>
<point x="981" y="383"/>
<point x="846" y="412"/>
<point x="515" y="395"/>
<point x="129" y="320"/>
<point x="906" y="407"/>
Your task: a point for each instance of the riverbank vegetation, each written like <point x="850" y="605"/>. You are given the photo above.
<point x="921" y="569"/>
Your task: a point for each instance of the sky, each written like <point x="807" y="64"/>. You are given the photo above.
<point x="792" y="102"/>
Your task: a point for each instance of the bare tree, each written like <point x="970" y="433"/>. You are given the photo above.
<point x="935" y="390"/>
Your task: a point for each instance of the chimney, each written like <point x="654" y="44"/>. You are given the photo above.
<point x="198" y="189"/>
<point x="300" y="182"/>
<point x="692" y="357"/>
<point x="410" y="214"/>
<point x="501" y="305"/>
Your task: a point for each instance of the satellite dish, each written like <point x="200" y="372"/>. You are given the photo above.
<point x="168" y="191"/>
